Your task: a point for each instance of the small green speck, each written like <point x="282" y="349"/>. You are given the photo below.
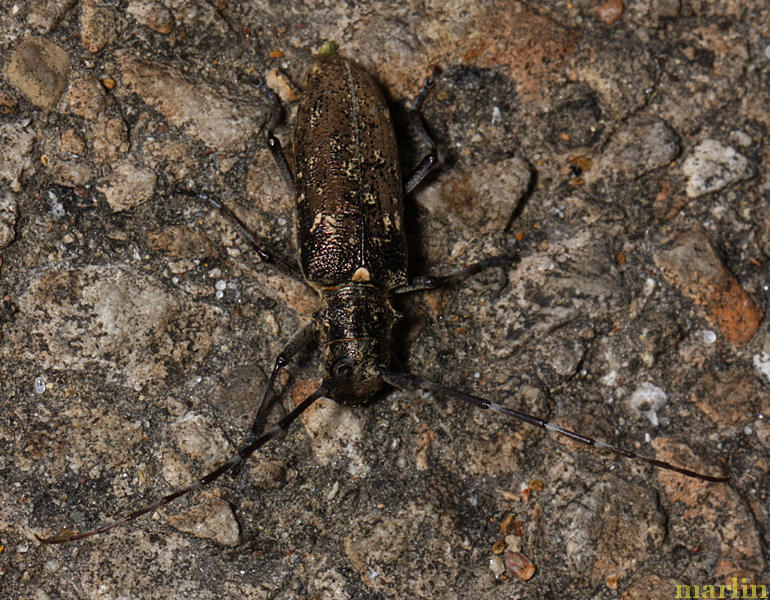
<point x="328" y="48"/>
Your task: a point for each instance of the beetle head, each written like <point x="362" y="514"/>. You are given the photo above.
<point x="358" y="363"/>
<point x="355" y="323"/>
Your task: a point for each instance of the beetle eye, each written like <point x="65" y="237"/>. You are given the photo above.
<point x="343" y="368"/>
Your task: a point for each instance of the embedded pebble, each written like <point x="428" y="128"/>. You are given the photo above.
<point x="86" y="97"/>
<point x="8" y="210"/>
<point x="71" y="143"/>
<point x="128" y="186"/>
<point x="690" y="264"/>
<point x="44" y="15"/>
<point x="335" y="430"/>
<point x="519" y="565"/>
<point x="456" y="195"/>
<point x="206" y="113"/>
<point x="741" y="138"/>
<point x="72" y="174"/>
<point x="648" y="399"/>
<point x="151" y="14"/>
<point x="513" y="543"/>
<point x="641" y="146"/>
<point x="761" y="362"/>
<point x="17" y="142"/>
<point x="497" y="566"/>
<point x="620" y="79"/>
<point x="610" y="11"/>
<point x="200" y="439"/>
<point x="712" y="166"/>
<point x="212" y="521"/>
<point x="39" y="68"/>
<point x="110" y="138"/>
<point x="98" y="25"/>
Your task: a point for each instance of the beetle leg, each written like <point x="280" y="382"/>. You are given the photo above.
<point x="429" y="282"/>
<point x="420" y="172"/>
<point x="273" y="143"/>
<point x="300" y="340"/>
<point x="279" y="263"/>
<point x="276" y="149"/>
<point x="430" y="160"/>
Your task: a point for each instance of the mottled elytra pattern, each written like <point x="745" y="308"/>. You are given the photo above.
<point x="349" y="190"/>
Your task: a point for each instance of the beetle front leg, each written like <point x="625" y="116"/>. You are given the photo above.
<point x="299" y="341"/>
<point x="273" y="143"/>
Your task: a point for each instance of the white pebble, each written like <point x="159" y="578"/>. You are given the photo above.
<point x="497" y="566"/>
<point x="762" y="363"/>
<point x="712" y="166"/>
<point x="39" y="385"/>
<point x="648" y="399"/>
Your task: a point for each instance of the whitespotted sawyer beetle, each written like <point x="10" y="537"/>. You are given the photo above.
<point x="352" y="251"/>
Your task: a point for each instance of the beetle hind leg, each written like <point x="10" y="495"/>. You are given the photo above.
<point x="276" y="261"/>
<point x="430" y="160"/>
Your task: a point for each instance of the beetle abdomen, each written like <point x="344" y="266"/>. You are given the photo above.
<point x="349" y="190"/>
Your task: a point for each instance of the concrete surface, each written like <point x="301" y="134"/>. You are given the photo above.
<point x="619" y="148"/>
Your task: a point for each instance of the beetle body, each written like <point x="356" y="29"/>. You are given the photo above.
<point x="349" y="219"/>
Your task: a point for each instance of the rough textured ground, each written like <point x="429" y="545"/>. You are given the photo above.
<point x="621" y="151"/>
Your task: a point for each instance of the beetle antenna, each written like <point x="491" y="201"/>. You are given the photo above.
<point x="404" y="381"/>
<point x="243" y="453"/>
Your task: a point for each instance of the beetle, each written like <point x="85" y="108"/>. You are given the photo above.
<point x="352" y="250"/>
